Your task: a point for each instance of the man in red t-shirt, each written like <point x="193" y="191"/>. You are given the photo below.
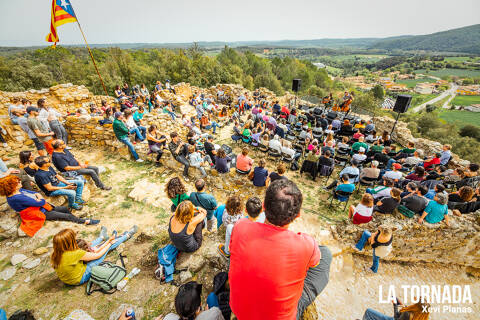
<point x="275" y="273"/>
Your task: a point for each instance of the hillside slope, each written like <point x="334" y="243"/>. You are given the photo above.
<point x="466" y="39"/>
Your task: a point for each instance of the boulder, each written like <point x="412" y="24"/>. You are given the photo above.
<point x="17" y="258"/>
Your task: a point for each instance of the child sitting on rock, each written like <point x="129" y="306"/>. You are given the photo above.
<point x="233" y="213"/>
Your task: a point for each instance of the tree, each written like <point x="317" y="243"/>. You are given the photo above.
<point x="378" y="92"/>
<point x="470" y="131"/>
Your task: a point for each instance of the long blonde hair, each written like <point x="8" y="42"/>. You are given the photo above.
<point x="63" y="241"/>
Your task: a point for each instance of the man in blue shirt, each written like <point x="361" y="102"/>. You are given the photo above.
<point x="351" y="170"/>
<point x="64" y="161"/>
<point x="205" y="201"/>
<point x="276" y="108"/>
<point x="370" y="126"/>
<point x="53" y="184"/>
<point x="436" y="210"/>
<point x="345" y="186"/>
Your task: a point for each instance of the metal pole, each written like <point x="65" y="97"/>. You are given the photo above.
<point x="393" y="128"/>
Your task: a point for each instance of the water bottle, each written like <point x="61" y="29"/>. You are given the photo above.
<point x="122" y="284"/>
<point x="130" y="313"/>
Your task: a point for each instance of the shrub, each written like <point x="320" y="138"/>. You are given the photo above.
<point x="470" y="131"/>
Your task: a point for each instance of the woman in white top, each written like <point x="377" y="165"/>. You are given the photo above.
<point x="140" y="131"/>
<point x="362" y="213"/>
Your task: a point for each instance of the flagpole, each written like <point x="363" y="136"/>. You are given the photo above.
<point x="91" y="56"/>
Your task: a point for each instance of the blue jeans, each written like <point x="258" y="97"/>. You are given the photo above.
<point x="172" y="115"/>
<point x="88" y="272"/>
<point x="219" y="214"/>
<point x="140" y="132"/>
<point x="213" y="125"/>
<point x="228" y="235"/>
<point x="212" y="300"/>
<point x="371" y="314"/>
<point x="361" y="244"/>
<point x="390" y="163"/>
<point x="130" y="146"/>
<point x="72" y="195"/>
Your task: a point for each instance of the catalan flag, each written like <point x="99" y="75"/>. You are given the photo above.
<point x="62" y="12"/>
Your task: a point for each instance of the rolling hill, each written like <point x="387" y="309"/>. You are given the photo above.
<point x="466" y="39"/>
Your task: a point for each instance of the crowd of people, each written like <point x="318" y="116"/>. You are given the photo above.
<point x="317" y="141"/>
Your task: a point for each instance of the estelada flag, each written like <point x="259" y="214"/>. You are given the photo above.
<point x="62" y="12"/>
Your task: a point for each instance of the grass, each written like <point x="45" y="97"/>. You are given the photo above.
<point x="418" y="99"/>
<point x="411" y="83"/>
<point x="465" y="100"/>
<point x="461" y="117"/>
<point x="440" y="102"/>
<point x="462" y="73"/>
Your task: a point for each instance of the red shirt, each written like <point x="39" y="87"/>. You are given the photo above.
<point x="268" y="266"/>
<point x="285" y="110"/>
<point x="434" y="161"/>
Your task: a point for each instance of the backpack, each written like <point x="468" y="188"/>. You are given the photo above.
<point x="106" y="275"/>
<point x="405" y="211"/>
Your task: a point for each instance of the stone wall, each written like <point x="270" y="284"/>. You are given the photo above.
<point x="414" y="242"/>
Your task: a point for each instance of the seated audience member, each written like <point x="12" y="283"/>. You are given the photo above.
<point x="73" y="265"/>
<point x="472" y="170"/>
<point x="121" y="132"/>
<point x="343" y="144"/>
<point x="210" y="148"/>
<point x="206" y="124"/>
<point x="381" y="242"/>
<point x="222" y="161"/>
<point x="185" y="227"/>
<point x="336" y="123"/>
<point x="360" y="156"/>
<point x="418" y="174"/>
<point x="237" y="131"/>
<point x="395" y="173"/>
<point x="376" y="147"/>
<point x="65" y="162"/>
<point x="15" y="110"/>
<point x="254" y="209"/>
<point x="259" y="175"/>
<point x="437" y="174"/>
<point x="351" y="170"/>
<point x="179" y="150"/>
<point x="197" y="160"/>
<point x="438" y="188"/>
<point x="329" y="147"/>
<point x="413" y="160"/>
<point x="359" y="144"/>
<point x="357" y="136"/>
<point x="362" y="213"/>
<point x="436" y="210"/>
<point x="431" y="162"/>
<point x="40" y="129"/>
<point x="382" y="157"/>
<point x="325" y="161"/>
<point x="275" y="144"/>
<point x="371" y="136"/>
<point x="346" y="127"/>
<point x="373" y="172"/>
<point x="244" y="162"/>
<point x="27" y="171"/>
<point x="139" y="131"/>
<point x="156" y="142"/>
<point x="415" y="202"/>
<point x="386" y="139"/>
<point x="464" y="194"/>
<point x="445" y="155"/>
<point x="188" y="305"/>
<point x="204" y="200"/>
<point x="168" y="108"/>
<point x="279" y="174"/>
<point x="406" y="152"/>
<point x="344" y="186"/>
<point x="53" y="184"/>
<point x="232" y="213"/>
<point x="288" y="288"/>
<point x="381" y="191"/>
<point x="388" y="204"/>
<point x="33" y="208"/>
<point x="176" y="192"/>
<point x="138" y="115"/>
<point x="418" y="311"/>
<point x="329" y="137"/>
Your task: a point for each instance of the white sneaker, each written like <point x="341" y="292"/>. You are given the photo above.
<point x="139" y="160"/>
<point x="144" y="141"/>
<point x="5" y="145"/>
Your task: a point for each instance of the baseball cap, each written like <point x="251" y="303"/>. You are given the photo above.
<point x="118" y="115"/>
<point x="397" y="166"/>
<point x="361" y="149"/>
<point x="30" y="109"/>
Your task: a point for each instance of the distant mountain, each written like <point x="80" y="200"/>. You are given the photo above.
<point x="466" y="39"/>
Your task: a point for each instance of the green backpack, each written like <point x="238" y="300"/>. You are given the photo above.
<point x="405" y="211"/>
<point x="106" y="275"/>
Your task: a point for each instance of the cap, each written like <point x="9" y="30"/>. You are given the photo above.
<point x="118" y="115"/>
<point x="361" y="149"/>
<point x="30" y="109"/>
<point x="397" y="166"/>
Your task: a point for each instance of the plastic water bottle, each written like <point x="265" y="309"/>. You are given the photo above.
<point x="130" y="313"/>
<point x="129" y="276"/>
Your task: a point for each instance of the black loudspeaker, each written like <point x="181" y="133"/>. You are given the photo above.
<point x="296" y="84"/>
<point x="402" y="103"/>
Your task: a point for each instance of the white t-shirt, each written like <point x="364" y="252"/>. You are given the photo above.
<point x="275" y="144"/>
<point x="394" y="175"/>
<point x="359" y="157"/>
<point x="131" y="123"/>
<point x="363" y="210"/>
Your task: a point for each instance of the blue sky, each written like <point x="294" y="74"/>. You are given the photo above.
<point x="26" y="22"/>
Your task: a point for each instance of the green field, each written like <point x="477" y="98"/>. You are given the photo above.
<point x="451" y="72"/>
<point x="418" y="99"/>
<point x="411" y="83"/>
<point x="465" y="100"/>
<point x="461" y="59"/>
<point x="461" y="117"/>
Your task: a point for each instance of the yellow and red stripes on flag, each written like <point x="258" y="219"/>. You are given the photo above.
<point x="62" y="13"/>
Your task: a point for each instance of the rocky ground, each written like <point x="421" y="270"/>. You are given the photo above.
<point x="138" y="198"/>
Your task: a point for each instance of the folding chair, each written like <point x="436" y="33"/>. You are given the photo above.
<point x="344" y="197"/>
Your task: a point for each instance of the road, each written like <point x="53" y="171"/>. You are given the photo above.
<point x="450" y="92"/>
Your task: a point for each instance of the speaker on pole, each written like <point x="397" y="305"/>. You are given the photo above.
<point x="402" y="103"/>
<point x="296" y="85"/>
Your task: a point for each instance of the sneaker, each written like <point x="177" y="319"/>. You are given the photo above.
<point x="144" y="141"/>
<point x="139" y="160"/>
<point x="68" y="148"/>
<point x="5" y="145"/>
<point x="221" y="250"/>
<point x="186" y="179"/>
<point x="93" y="222"/>
<point x="132" y="231"/>
<point x="106" y="188"/>
<point x="114" y="233"/>
<point x="76" y="206"/>
<point x="79" y="201"/>
<point x="103" y="233"/>
<point x="157" y="164"/>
